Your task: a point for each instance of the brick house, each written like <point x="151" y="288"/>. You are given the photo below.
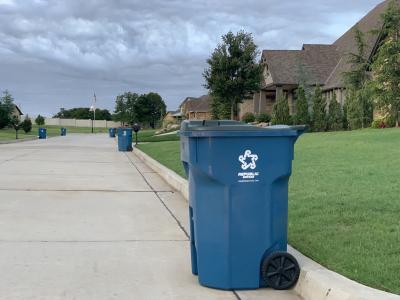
<point x="316" y="64"/>
<point x="196" y="108"/>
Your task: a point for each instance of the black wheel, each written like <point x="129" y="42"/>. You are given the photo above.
<point x="280" y="271"/>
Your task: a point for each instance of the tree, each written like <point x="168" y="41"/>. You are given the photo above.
<point x="386" y="65"/>
<point x="302" y="114"/>
<point x="354" y="109"/>
<point x="233" y="72"/>
<point x="6" y="109"/>
<point x="26" y="124"/>
<point x="280" y="112"/>
<point x="83" y="113"/>
<point x="16" y="124"/>
<point x="125" y="106"/>
<point x="148" y="109"/>
<point x="335" y="115"/>
<point x="39" y="120"/>
<point x="319" y="113"/>
<point x="220" y="110"/>
<point x="360" y="108"/>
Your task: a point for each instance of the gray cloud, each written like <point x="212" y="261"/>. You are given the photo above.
<point x="56" y="53"/>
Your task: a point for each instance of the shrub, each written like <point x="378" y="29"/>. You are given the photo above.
<point x="379" y="123"/>
<point x="335" y="115"/>
<point x="26" y="124"/>
<point x="302" y="116"/>
<point x="248" y="117"/>
<point x="281" y="114"/>
<point x="263" y="118"/>
<point x="390" y="121"/>
<point x="319" y="113"/>
<point x="39" y="120"/>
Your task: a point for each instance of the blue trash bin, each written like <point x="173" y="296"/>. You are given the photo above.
<point x="111" y="132"/>
<point x="238" y="203"/>
<point x="124" y="139"/>
<point x="42" y="133"/>
<point x="63" y="131"/>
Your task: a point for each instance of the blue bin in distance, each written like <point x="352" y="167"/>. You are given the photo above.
<point x="111" y="132"/>
<point x="238" y="202"/>
<point x="42" y="133"/>
<point x="124" y="139"/>
<point x="63" y="131"/>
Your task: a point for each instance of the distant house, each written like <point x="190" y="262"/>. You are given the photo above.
<point x="173" y="116"/>
<point x="316" y="64"/>
<point x="196" y="108"/>
<point x="17" y="112"/>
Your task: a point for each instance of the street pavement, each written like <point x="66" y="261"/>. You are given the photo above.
<point x="80" y="220"/>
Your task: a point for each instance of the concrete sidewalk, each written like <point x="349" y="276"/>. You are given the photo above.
<point x="79" y="220"/>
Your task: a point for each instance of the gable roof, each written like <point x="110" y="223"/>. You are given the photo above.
<point x="315" y="62"/>
<point x="324" y="64"/>
<point x="18" y="109"/>
<point x="346" y="44"/>
<point x="201" y="104"/>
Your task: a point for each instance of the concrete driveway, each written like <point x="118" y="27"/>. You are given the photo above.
<point x="79" y="220"/>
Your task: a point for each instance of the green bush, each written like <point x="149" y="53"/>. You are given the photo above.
<point x="335" y="115"/>
<point x="390" y="121"/>
<point x="281" y="114"/>
<point x="248" y="117"/>
<point x="377" y="123"/>
<point x="263" y="118"/>
<point x="26" y="124"/>
<point x="39" y="120"/>
<point x="319" y="113"/>
<point x="302" y="116"/>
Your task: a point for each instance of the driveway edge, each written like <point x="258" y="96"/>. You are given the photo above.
<point x="315" y="282"/>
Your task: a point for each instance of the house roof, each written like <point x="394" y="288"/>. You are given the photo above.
<point x="315" y="62"/>
<point x="324" y="64"/>
<point x="346" y="44"/>
<point x="201" y="104"/>
<point x="19" y="110"/>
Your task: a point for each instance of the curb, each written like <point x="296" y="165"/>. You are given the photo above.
<point x="315" y="281"/>
<point x="18" y="141"/>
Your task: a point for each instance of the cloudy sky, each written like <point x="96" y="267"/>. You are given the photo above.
<point x="57" y="53"/>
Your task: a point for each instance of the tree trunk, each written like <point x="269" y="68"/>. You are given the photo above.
<point x="233" y="110"/>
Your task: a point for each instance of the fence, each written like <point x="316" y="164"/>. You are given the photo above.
<point x="81" y="123"/>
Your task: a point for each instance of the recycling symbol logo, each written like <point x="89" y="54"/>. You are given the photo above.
<point x="248" y="160"/>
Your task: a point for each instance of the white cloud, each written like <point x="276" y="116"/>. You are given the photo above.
<point x="114" y="46"/>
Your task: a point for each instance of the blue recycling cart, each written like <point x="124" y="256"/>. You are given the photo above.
<point x="238" y="203"/>
<point x="111" y="132"/>
<point x="42" y="133"/>
<point x="63" y="131"/>
<point x="124" y="139"/>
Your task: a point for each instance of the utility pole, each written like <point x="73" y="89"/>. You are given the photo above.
<point x="93" y="108"/>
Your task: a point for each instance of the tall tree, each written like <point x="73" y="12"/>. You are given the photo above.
<point x="360" y="107"/>
<point x="125" y="108"/>
<point x="150" y="109"/>
<point x="16" y="124"/>
<point x="280" y="112"/>
<point x="6" y="108"/>
<point x="39" y="120"/>
<point x="386" y="65"/>
<point x="319" y="112"/>
<point x="233" y="71"/>
<point x="335" y="115"/>
<point x="302" y="116"/>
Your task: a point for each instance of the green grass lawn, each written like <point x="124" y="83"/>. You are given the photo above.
<point x="344" y="201"/>
<point x="9" y="134"/>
